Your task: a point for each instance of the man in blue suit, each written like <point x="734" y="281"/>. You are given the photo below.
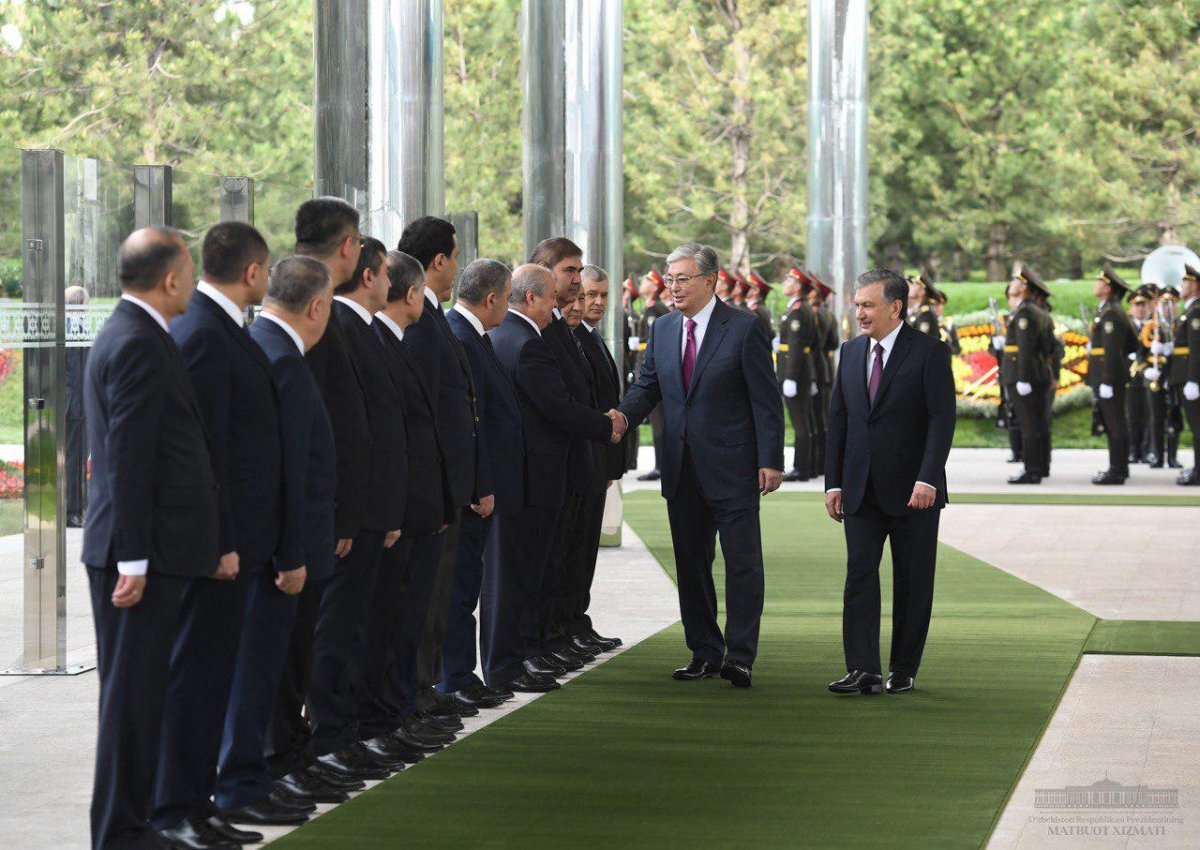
<point x="710" y="366"/>
<point x="152" y="526"/>
<point x="295" y="312"/>
<point x="232" y="380"/>
<point x="481" y="304"/>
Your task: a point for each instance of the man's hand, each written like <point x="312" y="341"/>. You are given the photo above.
<point x="619" y="424"/>
<point x="485" y="507"/>
<point x="389" y="539"/>
<point x="128" y="591"/>
<point x="227" y="567"/>
<point x="1024" y="388"/>
<point x="291" y="582"/>
<point x="789" y="388"/>
<point x="922" y="497"/>
<point x="833" y="505"/>
<point x="769" y="480"/>
<point x="343" y="547"/>
<point x="1106" y="391"/>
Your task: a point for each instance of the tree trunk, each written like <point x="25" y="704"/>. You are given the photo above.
<point x="1075" y="266"/>
<point x="740" y="138"/>
<point x="1167" y="233"/>
<point x="997" y="253"/>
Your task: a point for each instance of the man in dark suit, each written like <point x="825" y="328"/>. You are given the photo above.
<point x="518" y="552"/>
<point x="391" y="724"/>
<point x="152" y="526"/>
<point x="891" y="423"/>
<point x="295" y="312"/>
<point x="232" y="381"/>
<point x="710" y="366"/>
<point x="440" y="356"/>
<point x="481" y="304"/>
<point x="585" y="545"/>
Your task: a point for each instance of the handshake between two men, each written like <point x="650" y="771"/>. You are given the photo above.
<point x="619" y="424"/>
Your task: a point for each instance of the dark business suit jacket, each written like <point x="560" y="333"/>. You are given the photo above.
<point x="905" y="436"/>
<point x="153" y="493"/>
<point x="551" y="415"/>
<point x="732" y="418"/>
<point x="347" y="407"/>
<point x="580" y="382"/>
<point x="385" y="414"/>
<point x="611" y="458"/>
<point x="428" y="506"/>
<point x="309" y="457"/>
<point x="501" y="449"/>
<point x="439" y="356"/>
<point x="232" y="380"/>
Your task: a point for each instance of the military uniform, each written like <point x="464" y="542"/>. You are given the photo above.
<point x="1137" y="399"/>
<point x="1058" y="352"/>
<point x="650" y="314"/>
<point x="629" y="366"/>
<point x="1026" y="376"/>
<point x="1166" y="416"/>
<point x="925" y="320"/>
<point x="794" y="367"/>
<point x="1112" y="341"/>
<point x="827" y="345"/>
<point x="1185" y="374"/>
<point x="1005" y="418"/>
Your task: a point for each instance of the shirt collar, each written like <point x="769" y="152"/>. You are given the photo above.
<point x="557" y="313"/>
<point x="1189" y="302"/>
<point x="470" y="317"/>
<point x="224" y="302"/>
<point x="701" y="318"/>
<point x="154" y="314"/>
<point x="387" y="322"/>
<point x="792" y="304"/>
<point x="889" y="341"/>
<point x="532" y="323"/>
<point x="432" y="298"/>
<point x="593" y="328"/>
<point x="362" y="311"/>
<point x="271" y="317"/>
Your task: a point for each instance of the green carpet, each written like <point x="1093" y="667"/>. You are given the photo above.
<point x="624" y="756"/>
<point x="1144" y="637"/>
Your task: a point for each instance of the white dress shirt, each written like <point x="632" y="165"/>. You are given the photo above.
<point x="888" y="343"/>
<point x="432" y="298"/>
<point x="557" y="313"/>
<point x="363" y="312"/>
<point x="271" y="317"/>
<point x="142" y="565"/>
<point x="387" y="322"/>
<point x="469" y="316"/>
<point x="701" y="320"/>
<point x="526" y="318"/>
<point x="224" y="302"/>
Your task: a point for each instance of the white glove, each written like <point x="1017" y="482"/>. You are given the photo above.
<point x="634" y="342"/>
<point x="816" y="388"/>
<point x="1133" y="357"/>
<point x="775" y="344"/>
<point x="1168" y="347"/>
<point x="1024" y="388"/>
<point x="1106" y="391"/>
<point x="998" y="342"/>
<point x="1156" y="347"/>
<point x="1191" y="391"/>
<point x="1152" y="374"/>
<point x="789" y="388"/>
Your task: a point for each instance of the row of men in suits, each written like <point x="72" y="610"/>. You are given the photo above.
<point x="291" y="525"/>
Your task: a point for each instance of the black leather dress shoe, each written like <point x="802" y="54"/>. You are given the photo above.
<point x="450" y="704"/>
<point x="736" y="673"/>
<point x="382" y="754"/>
<point x="440" y="722"/>
<point x="300" y="805"/>
<point x="345" y="764"/>
<point x="652" y="475"/>
<point x="1110" y="476"/>
<point x="898" y="683"/>
<point x="502" y="694"/>
<point x="1013" y="459"/>
<point x="1173" y="462"/>
<point x="539" y="666"/>
<point x="266" y="812"/>
<point x="415" y="741"/>
<point x="531" y="683"/>
<point x="304" y="786"/>
<point x="410" y="753"/>
<point x="336" y="781"/>
<point x="566" y="660"/>
<point x="194" y="834"/>
<point x="585" y="645"/>
<point x="697" y="669"/>
<point x="609" y="642"/>
<point x="858" y="682"/>
<point x="424" y="735"/>
<point x="230" y="832"/>
<point x="477" y="696"/>
<point x="795" y="475"/>
<point x="1026" y="478"/>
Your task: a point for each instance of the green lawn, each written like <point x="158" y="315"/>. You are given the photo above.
<point x="624" y="756"/>
<point x="12" y="516"/>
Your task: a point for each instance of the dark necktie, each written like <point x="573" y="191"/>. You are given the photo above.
<point x="876" y="373"/>
<point x="689" y="356"/>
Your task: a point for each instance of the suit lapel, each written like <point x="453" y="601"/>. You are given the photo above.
<point x="669" y="355"/>
<point x="895" y="360"/>
<point x="713" y="335"/>
<point x="857" y="364"/>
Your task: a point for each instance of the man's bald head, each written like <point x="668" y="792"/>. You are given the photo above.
<point x="533" y="293"/>
<point x="147" y="256"/>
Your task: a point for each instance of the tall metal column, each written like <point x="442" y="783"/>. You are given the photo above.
<point x="837" y="143"/>
<point x="543" y="91"/>
<point x="237" y="199"/>
<point x="378" y="109"/>
<point x="152" y="195"/>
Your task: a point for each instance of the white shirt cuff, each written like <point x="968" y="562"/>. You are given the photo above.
<point x="133" y="568"/>
<point x="930" y="486"/>
<point x="833" y="490"/>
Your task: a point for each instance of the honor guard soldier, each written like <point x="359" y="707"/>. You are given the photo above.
<point x="1185" y="366"/>
<point x="738" y="293"/>
<point x="794" y="365"/>
<point x="652" y="289"/>
<point x="629" y="296"/>
<point x="1058" y="352"/>
<point x="1026" y="371"/>
<point x="1137" y="400"/>
<point x="920" y="309"/>
<point x="1112" y="341"/>
<point x="827" y="346"/>
<point x="725" y="286"/>
<point x="757" y="294"/>
<point x="946" y="330"/>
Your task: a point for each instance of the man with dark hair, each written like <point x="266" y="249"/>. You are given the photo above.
<point x="891" y="424"/>
<point x="295" y="312"/>
<point x="1113" y="339"/>
<point x="440" y="357"/>
<point x="232" y="381"/>
<point x="481" y="304"/>
<point x="798" y="336"/>
<point x="1026" y="372"/>
<point x="152" y="527"/>
<point x="827" y="344"/>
